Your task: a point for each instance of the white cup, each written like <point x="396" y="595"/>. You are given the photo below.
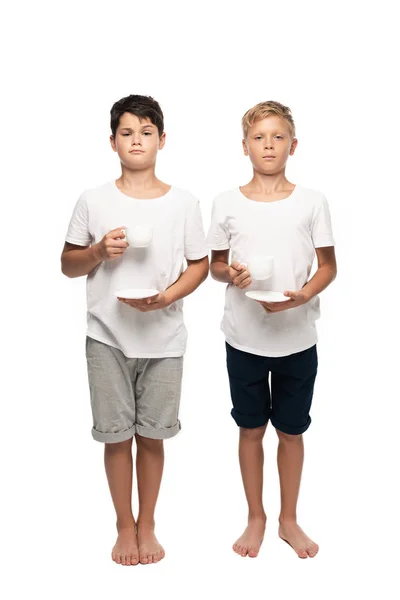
<point x="138" y="236"/>
<point x="260" y="267"/>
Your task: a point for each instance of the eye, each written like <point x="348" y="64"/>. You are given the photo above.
<point x="125" y="134"/>
<point x="279" y="137"/>
<point x="258" y="137"/>
<point x="147" y="133"/>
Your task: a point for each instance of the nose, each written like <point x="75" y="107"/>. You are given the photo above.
<point x="136" y="140"/>
<point x="269" y="145"/>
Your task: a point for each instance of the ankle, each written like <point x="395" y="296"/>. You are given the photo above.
<point x="257" y="516"/>
<point x="286" y="519"/>
<point x="125" y="524"/>
<point x="145" y="523"/>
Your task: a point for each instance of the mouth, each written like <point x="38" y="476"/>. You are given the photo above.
<point x="136" y="151"/>
<point x="269" y="157"/>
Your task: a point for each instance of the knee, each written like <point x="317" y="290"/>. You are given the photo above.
<point x="288" y="438"/>
<point x="118" y="447"/>
<point x="149" y="444"/>
<point x="252" y="435"/>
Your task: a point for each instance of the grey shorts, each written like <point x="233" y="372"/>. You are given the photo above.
<point x="132" y="395"/>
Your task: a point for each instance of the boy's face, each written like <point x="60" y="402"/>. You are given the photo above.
<point x="269" y="144"/>
<point x="136" y="142"/>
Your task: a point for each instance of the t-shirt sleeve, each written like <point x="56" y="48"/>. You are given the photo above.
<point x="217" y="238"/>
<point x="195" y="239"/>
<point x="321" y="227"/>
<point x="78" y="230"/>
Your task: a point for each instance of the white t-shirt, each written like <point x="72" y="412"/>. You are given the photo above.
<point x="177" y="234"/>
<point x="289" y="230"/>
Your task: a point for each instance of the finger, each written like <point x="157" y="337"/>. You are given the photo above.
<point x="237" y="266"/>
<point x="118" y="244"/>
<point x="117" y="233"/>
<point x="245" y="283"/>
<point x="239" y="278"/>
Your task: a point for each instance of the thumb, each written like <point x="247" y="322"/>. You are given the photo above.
<point x="237" y="266"/>
<point x="289" y="294"/>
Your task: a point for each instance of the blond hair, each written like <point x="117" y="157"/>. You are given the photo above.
<point x="263" y="110"/>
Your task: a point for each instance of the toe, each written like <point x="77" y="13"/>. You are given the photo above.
<point x="150" y="559"/>
<point x="312" y="550"/>
<point x="123" y="560"/>
<point x="134" y="559"/>
<point x="144" y="560"/>
<point x="253" y="553"/>
<point x="302" y="554"/>
<point x="118" y="559"/>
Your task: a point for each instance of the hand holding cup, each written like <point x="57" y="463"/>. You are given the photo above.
<point x="239" y="275"/>
<point x="112" y="246"/>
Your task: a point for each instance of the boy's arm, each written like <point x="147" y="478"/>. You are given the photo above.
<point x="325" y="273"/>
<point x="191" y="278"/>
<point x="77" y="261"/>
<point x="222" y="271"/>
<point x="189" y="281"/>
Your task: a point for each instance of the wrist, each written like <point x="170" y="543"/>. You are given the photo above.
<point x="169" y="297"/>
<point x="230" y="274"/>
<point x="307" y="295"/>
<point x="96" y="252"/>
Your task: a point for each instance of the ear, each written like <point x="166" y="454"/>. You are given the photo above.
<point x="162" y="141"/>
<point x="293" y="146"/>
<point x="112" y="142"/>
<point x="244" y="144"/>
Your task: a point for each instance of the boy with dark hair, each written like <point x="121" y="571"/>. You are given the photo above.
<point x="271" y="218"/>
<point x="135" y="346"/>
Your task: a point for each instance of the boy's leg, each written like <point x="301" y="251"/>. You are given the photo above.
<point x="149" y="469"/>
<point x="119" y="467"/>
<point x="113" y="409"/>
<point x="158" y="392"/>
<point x="251" y="459"/>
<point x="290" y="464"/>
<point x="292" y="391"/>
<point x="248" y="380"/>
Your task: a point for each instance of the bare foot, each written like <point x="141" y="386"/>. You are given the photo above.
<point x="150" y="551"/>
<point x="250" y="542"/>
<point x="291" y="533"/>
<point x="126" y="551"/>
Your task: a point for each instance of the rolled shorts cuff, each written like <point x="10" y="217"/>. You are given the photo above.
<point x="249" y="421"/>
<point x="163" y="433"/>
<point x="291" y="430"/>
<point x="113" y="438"/>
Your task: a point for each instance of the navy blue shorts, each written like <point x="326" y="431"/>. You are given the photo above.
<point x="288" y="402"/>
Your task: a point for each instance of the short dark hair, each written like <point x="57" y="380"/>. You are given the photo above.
<point x="144" y="107"/>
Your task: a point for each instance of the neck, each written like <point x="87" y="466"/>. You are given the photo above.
<point x="138" y="180"/>
<point x="269" y="184"/>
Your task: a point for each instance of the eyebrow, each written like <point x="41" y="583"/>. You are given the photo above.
<point x="130" y="128"/>
<point x="262" y="133"/>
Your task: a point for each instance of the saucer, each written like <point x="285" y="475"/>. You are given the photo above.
<point x="267" y="296"/>
<point x="136" y="294"/>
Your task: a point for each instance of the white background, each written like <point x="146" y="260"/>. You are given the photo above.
<point x="64" y="65"/>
